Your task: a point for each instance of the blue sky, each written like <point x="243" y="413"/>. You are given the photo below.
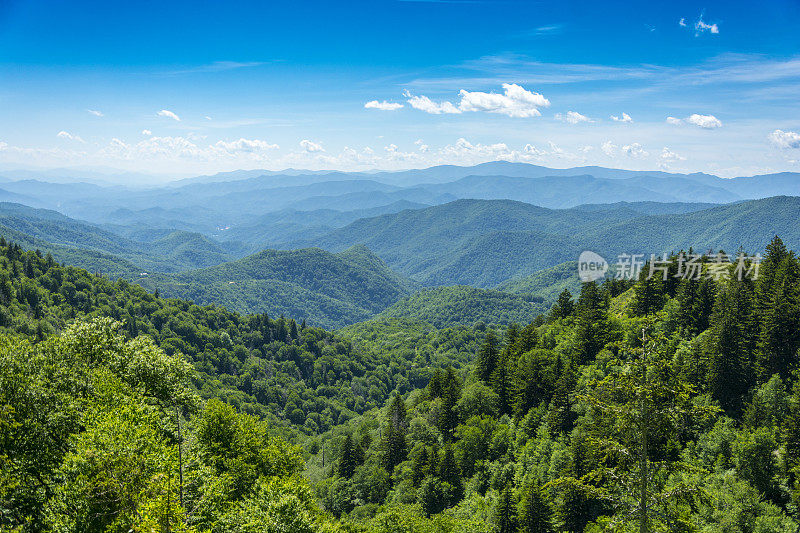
<point x="188" y="87"/>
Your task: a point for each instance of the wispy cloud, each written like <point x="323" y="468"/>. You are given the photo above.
<point x="708" y="122"/>
<point x="67" y="135"/>
<point x="168" y="114"/>
<point x="572" y="117"/>
<point x="700" y="26"/>
<point x="217" y="66"/>
<point x="383" y="106"/>
<point x="626" y="118"/>
<point x="95" y="112"/>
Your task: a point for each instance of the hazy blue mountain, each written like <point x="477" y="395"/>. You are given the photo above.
<point x="649" y="208"/>
<point x="289" y="225"/>
<point x="169" y="253"/>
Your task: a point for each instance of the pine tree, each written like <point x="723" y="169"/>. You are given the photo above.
<point x="731" y="372"/>
<point x="560" y="417"/>
<point x="394" y="437"/>
<point x="502" y="381"/>
<point x="534" y="512"/>
<point x="347" y="459"/>
<point x="487" y="357"/>
<point x="448" y="415"/>
<point x="527" y="339"/>
<point x="649" y="292"/>
<point x="505" y="512"/>
<point x="563" y="307"/>
<point x="777" y="307"/>
<point x="592" y="328"/>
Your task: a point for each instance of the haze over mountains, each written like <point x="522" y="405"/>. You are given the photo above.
<point x="354" y="244"/>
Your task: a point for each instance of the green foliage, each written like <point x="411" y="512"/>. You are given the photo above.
<point x="449" y="306"/>
<point x="267" y="367"/>
<point x="327" y="290"/>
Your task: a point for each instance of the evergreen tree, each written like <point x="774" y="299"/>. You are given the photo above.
<point x="777" y="306"/>
<point x="394" y="437"/>
<point x="527" y="339"/>
<point x="487" y="357"/>
<point x="534" y="511"/>
<point x="448" y="415"/>
<point x="648" y="292"/>
<point x="347" y="458"/>
<point x="502" y="381"/>
<point x="732" y="344"/>
<point x="560" y="416"/>
<point x="638" y="412"/>
<point x="505" y="512"/>
<point x="591" y="325"/>
<point x="563" y="307"/>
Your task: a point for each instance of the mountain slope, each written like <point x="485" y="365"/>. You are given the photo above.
<point x="173" y="252"/>
<point x="447" y="306"/>
<point x="330" y="290"/>
<point x="485" y="242"/>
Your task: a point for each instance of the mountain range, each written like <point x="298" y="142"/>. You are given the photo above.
<point x="336" y="248"/>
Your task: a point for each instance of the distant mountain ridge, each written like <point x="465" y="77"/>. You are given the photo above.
<point x="485" y="242"/>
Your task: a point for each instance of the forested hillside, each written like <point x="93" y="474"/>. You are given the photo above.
<point x="672" y="405"/>
<point x="329" y="290"/>
<point x="486" y="242"/>
<point x="673" y="402"/>
<point x="272" y="367"/>
<point x="447" y="306"/>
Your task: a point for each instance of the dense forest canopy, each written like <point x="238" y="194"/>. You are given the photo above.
<point x="669" y="403"/>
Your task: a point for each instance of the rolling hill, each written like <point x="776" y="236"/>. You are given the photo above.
<point x="326" y="289"/>
<point x="448" y="306"/>
<point x="486" y="242"/>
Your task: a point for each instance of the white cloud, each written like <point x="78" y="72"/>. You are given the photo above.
<point x="207" y="117"/>
<point x="785" y="139"/>
<point x="533" y="151"/>
<point x="245" y="146"/>
<point x="635" y="150"/>
<point x="423" y="103"/>
<point x="702" y="27"/>
<point x="682" y="22"/>
<point x="95" y="112"/>
<point x="69" y="136"/>
<point x="383" y="106"/>
<point x="708" y="122"/>
<point x="169" y="114"/>
<point x="624" y="118"/>
<point x="421" y="146"/>
<point x="516" y="102"/>
<point x="668" y="156"/>
<point x="609" y="148"/>
<point x="311" y="147"/>
<point x="572" y="117"/>
<point x="147" y="132"/>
